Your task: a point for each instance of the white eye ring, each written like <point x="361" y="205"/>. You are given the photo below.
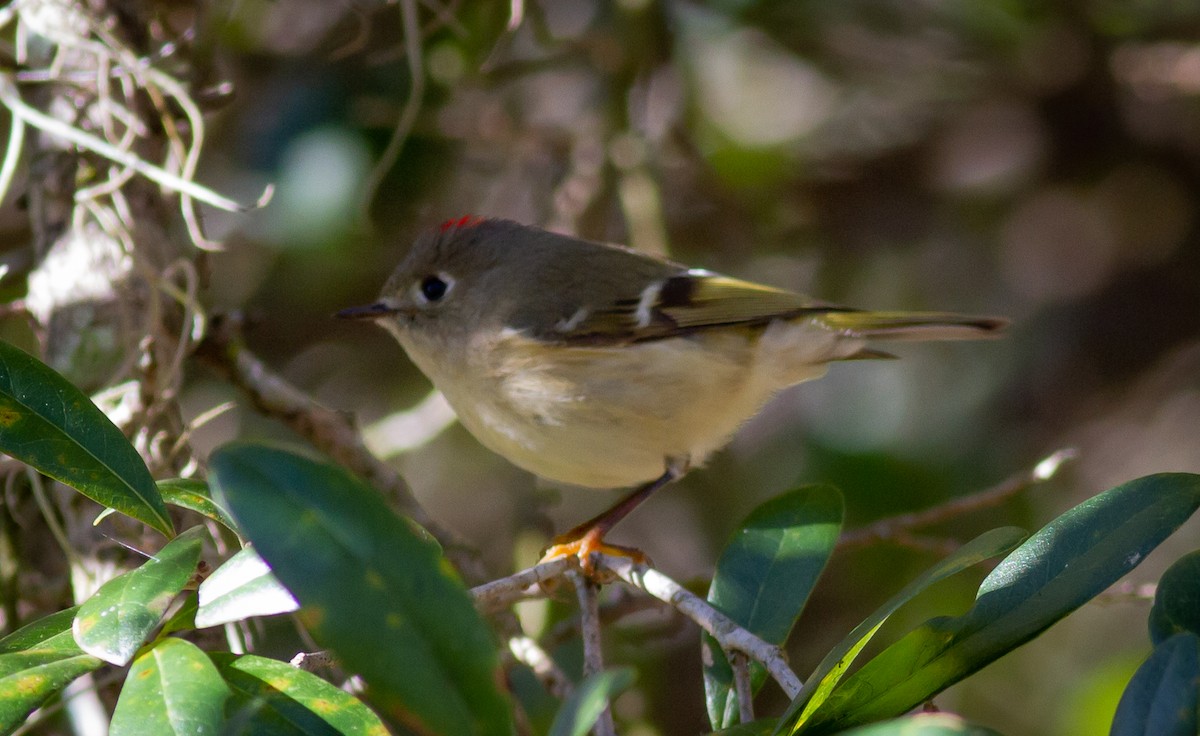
<point x="433" y="288"/>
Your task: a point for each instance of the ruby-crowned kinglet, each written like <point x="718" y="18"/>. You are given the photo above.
<point x="599" y="366"/>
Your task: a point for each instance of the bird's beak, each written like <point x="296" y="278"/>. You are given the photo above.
<point x="369" y="311"/>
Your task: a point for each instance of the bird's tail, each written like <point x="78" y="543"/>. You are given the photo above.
<point x="914" y="325"/>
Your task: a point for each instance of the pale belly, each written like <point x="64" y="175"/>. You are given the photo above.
<point x="610" y="417"/>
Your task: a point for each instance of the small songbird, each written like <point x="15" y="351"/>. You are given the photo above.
<point x="598" y="366"/>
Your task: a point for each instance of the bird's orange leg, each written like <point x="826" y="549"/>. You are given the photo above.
<point x="588" y="537"/>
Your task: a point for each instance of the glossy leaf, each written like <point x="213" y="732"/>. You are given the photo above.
<point x="115" y="622"/>
<point x="1163" y="697"/>
<point x="1067" y="563"/>
<point x="36" y="662"/>
<point x="193" y="495"/>
<point x="50" y="425"/>
<point x="49" y="632"/>
<point x="923" y="724"/>
<point x="274" y="698"/>
<point x="172" y="688"/>
<point x="763" y="579"/>
<point x="580" y="711"/>
<point x="240" y="588"/>
<point x="831" y="669"/>
<point x="373" y="589"/>
<point x="1177" y="600"/>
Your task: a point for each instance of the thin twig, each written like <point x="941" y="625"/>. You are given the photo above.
<point x="725" y="630"/>
<point x="593" y="655"/>
<point x="12" y="154"/>
<point x="408" y="116"/>
<point x="527" y="651"/>
<point x="500" y="594"/>
<point x="742" y="686"/>
<point x="330" y="431"/>
<point x="896" y="526"/>
<point x="11" y="99"/>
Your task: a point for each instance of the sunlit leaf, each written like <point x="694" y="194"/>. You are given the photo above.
<point x="50" y="425"/>
<point x="1074" y="558"/>
<point x="192" y="494"/>
<point x="36" y="662"/>
<point x="240" y="588"/>
<point x="172" y="689"/>
<point x="831" y="669"/>
<point x="116" y="621"/>
<point x="763" y="579"/>
<point x="372" y="588"/>
<point x="274" y="698"/>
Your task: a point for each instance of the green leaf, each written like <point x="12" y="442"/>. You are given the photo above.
<point x="28" y="679"/>
<point x="1163" y="697"/>
<point x="193" y="495"/>
<point x="1067" y="563"/>
<point x="241" y="588"/>
<point x="373" y="589"/>
<point x="115" y="622"/>
<point x="49" y="424"/>
<point x="1177" y="600"/>
<point x="763" y="579"/>
<point x="272" y="697"/>
<point x="172" y="688"/>
<point x="50" y="632"/>
<point x="831" y="669"/>
<point x="580" y="711"/>
<point x="923" y="724"/>
<point x="37" y="661"/>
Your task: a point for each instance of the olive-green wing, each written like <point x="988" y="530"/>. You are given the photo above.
<point x="683" y="303"/>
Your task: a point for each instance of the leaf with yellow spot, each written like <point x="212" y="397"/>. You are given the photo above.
<point x="50" y="425"/>
<point x="275" y="698"/>
<point x="172" y="689"/>
<point x="36" y="662"/>
<point x="117" y="620"/>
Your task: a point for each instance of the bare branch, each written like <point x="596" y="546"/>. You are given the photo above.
<point x="527" y="652"/>
<point x="593" y="655"/>
<point x="743" y="686"/>
<point x="897" y="527"/>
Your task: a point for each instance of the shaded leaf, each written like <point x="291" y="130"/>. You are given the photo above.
<point x="1067" y="563"/>
<point x="580" y="711"/>
<point x="831" y="669"/>
<point x="373" y="589"/>
<point x="116" y="621"/>
<point x="172" y="688"/>
<point x="763" y="579"/>
<point x="1177" y="600"/>
<point x="193" y="495"/>
<point x="272" y="697"/>
<point x="50" y="425"/>
<point x="1163" y="697"/>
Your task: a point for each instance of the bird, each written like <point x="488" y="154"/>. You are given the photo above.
<point x="595" y="365"/>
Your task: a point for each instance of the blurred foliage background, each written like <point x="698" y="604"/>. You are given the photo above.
<point x="1035" y="160"/>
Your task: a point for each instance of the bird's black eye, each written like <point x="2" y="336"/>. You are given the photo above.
<point x="433" y="288"/>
